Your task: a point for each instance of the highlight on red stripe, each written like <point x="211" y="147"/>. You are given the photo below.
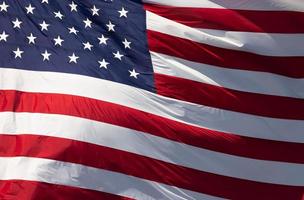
<point x="25" y="190"/>
<point x="143" y="167"/>
<point x="233" y="20"/>
<point x="15" y="101"/>
<point x="228" y="99"/>
<point x="227" y="58"/>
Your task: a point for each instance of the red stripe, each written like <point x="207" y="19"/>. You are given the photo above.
<point x="31" y="190"/>
<point x="143" y="167"/>
<point x="203" y="53"/>
<point x="219" y="97"/>
<point x="138" y="120"/>
<point x="233" y="20"/>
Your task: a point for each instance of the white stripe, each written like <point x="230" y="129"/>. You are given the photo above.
<point x="198" y="115"/>
<point x="153" y="147"/>
<point x="242" y="80"/>
<point x="272" y="5"/>
<point x="75" y="175"/>
<point x="269" y="44"/>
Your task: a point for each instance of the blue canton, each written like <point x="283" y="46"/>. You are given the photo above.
<point x="99" y="38"/>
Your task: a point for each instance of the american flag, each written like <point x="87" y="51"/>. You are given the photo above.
<point x="160" y="99"/>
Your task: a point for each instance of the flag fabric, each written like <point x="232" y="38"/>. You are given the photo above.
<point x="160" y="99"/>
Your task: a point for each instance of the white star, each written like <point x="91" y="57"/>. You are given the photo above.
<point x="18" y="53"/>
<point x="87" y="45"/>
<point x="30" y="9"/>
<point x="73" y="6"/>
<point x="4" y="6"/>
<point x="133" y="73"/>
<point x="103" y="64"/>
<point x="103" y="40"/>
<point x="73" y="58"/>
<point x="44" y="26"/>
<point x="73" y="30"/>
<point x="45" y="1"/>
<point x="46" y="55"/>
<point x="58" y="41"/>
<point x="95" y="11"/>
<point x="123" y="12"/>
<point x="17" y="23"/>
<point x="110" y="26"/>
<point x="118" y="55"/>
<point x="31" y="39"/>
<point x="3" y="36"/>
<point x="126" y="43"/>
<point x="58" y="15"/>
<point x="88" y="23"/>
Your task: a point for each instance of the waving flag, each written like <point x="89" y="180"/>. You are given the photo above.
<point x="161" y="99"/>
